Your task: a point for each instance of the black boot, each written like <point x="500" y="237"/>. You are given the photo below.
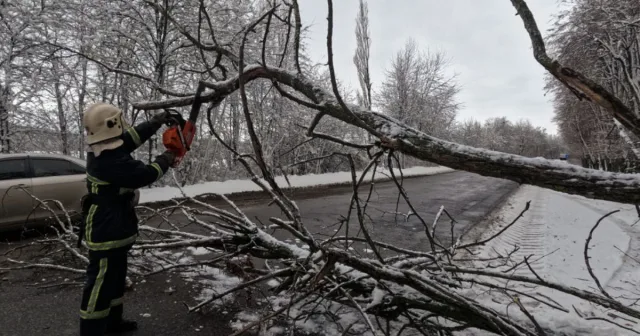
<point x="117" y="324"/>
<point x="93" y="327"/>
<point x="122" y="327"/>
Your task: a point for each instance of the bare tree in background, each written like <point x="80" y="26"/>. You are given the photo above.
<point x="6" y="63"/>
<point x="16" y="21"/>
<point x="60" y="93"/>
<point x="5" y="141"/>
<point x="500" y="134"/>
<point x="416" y="91"/>
<point x="361" y="58"/>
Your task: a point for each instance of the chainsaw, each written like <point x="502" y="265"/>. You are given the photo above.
<point x="179" y="136"/>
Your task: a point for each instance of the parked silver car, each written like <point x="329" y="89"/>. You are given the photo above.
<point x="46" y="176"/>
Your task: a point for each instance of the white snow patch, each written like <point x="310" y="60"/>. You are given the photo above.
<point x="186" y="260"/>
<point x="297" y="181"/>
<point x="376" y="297"/>
<point x="198" y="251"/>
<point x="274" y="331"/>
<point x="211" y="281"/>
<point x="243" y="319"/>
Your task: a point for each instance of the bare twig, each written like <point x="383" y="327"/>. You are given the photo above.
<point x="37" y="265"/>
<point x="272" y="315"/>
<point x="530" y="317"/>
<point x="586" y="252"/>
<point x="596" y="318"/>
<point x="627" y="255"/>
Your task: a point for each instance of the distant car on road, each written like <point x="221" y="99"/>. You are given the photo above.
<point x="46" y="176"/>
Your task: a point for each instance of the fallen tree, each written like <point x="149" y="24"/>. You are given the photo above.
<point x="430" y="291"/>
<point x="427" y="291"/>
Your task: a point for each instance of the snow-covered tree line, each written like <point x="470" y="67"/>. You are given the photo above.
<point x="501" y="134"/>
<point x="66" y="54"/>
<point x="62" y="55"/>
<point x="601" y="39"/>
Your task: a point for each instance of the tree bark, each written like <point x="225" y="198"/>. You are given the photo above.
<point x="81" y="105"/>
<point x="5" y="142"/>
<point x="62" y="120"/>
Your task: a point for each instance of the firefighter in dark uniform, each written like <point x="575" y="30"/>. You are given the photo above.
<point x="110" y="225"/>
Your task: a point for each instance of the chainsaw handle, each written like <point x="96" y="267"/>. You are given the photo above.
<point x="175" y="118"/>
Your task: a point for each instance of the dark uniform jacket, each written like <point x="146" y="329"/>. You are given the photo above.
<point x="109" y="218"/>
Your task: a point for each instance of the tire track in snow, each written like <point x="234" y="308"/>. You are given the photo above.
<point x="528" y="234"/>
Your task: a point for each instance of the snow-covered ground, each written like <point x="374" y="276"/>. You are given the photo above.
<point x="297" y="181"/>
<point x="554" y="231"/>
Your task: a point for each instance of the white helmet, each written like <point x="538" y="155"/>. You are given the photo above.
<point x="104" y="125"/>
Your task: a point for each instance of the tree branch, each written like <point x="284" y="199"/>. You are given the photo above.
<point x="586" y="253"/>
<point x="550" y="174"/>
<point x="574" y="80"/>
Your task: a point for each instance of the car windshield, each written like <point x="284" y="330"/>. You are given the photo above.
<point x="79" y="161"/>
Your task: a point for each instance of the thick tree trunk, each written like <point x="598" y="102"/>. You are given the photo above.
<point x="162" y="25"/>
<point x="62" y="120"/>
<point x="5" y="141"/>
<point x="81" y="106"/>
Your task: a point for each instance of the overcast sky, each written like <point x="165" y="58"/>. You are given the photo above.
<point x="488" y="46"/>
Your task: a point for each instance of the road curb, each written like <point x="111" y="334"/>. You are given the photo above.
<point x="248" y="196"/>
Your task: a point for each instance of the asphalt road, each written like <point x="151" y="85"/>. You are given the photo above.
<point x="466" y="197"/>
<point x="26" y="309"/>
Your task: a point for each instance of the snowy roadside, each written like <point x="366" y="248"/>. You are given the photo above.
<point x="294" y="181"/>
<point x="554" y="231"/>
